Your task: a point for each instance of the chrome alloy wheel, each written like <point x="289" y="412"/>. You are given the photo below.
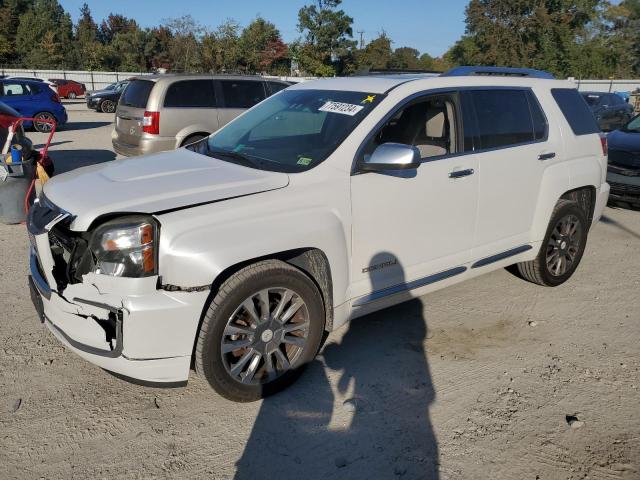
<point x="563" y="245"/>
<point x="265" y="336"/>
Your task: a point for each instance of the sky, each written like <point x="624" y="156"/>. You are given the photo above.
<point x="427" y="25"/>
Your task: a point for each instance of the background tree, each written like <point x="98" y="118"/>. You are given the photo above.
<point x="10" y="12"/>
<point x="184" y="44"/>
<point x="44" y="34"/>
<point x="326" y="48"/>
<point x="261" y="46"/>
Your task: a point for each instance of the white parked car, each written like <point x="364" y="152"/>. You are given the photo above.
<point x="327" y="201"/>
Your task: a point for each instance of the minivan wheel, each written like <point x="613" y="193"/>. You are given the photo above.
<point x="562" y="248"/>
<point x="42" y="126"/>
<point x="261" y="329"/>
<point x="71" y="95"/>
<point x="107" y="106"/>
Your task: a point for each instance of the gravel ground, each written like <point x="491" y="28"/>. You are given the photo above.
<point x="493" y="378"/>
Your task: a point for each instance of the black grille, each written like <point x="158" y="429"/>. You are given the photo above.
<point x="624" y="189"/>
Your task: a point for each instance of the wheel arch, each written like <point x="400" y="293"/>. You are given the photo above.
<point x="186" y="139"/>
<point x="565" y="180"/>
<point x="312" y="261"/>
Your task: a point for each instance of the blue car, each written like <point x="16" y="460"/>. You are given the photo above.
<point x="33" y="99"/>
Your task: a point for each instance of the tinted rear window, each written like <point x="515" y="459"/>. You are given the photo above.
<point x="137" y="93"/>
<point x="275" y="87"/>
<point x="575" y="110"/>
<point x="241" y="93"/>
<point x="191" y="93"/>
<point x="504" y="118"/>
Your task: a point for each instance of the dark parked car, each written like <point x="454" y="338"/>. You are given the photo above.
<point x="106" y="100"/>
<point x="69" y="88"/>
<point x="610" y="109"/>
<point x="624" y="163"/>
<point x="34" y="100"/>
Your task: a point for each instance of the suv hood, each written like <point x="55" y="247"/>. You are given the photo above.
<point x="154" y="183"/>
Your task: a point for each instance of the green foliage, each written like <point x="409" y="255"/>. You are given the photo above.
<point x="326" y="47"/>
<point x="580" y="38"/>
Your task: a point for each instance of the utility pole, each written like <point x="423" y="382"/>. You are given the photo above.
<point x="361" y="32"/>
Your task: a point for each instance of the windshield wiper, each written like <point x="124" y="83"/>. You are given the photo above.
<point x="244" y="159"/>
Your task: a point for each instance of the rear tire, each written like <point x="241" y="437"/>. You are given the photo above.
<point x="108" y="106"/>
<point x="264" y="325"/>
<point x="192" y="139"/>
<point x="72" y="95"/>
<point x="41" y="126"/>
<point x="561" y="249"/>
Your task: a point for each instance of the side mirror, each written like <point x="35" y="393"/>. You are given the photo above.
<point x="392" y="156"/>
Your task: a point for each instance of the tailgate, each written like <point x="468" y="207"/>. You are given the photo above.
<point x="129" y="124"/>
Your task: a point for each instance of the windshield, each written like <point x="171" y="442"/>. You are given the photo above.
<point x="633" y="125"/>
<point x="292" y="131"/>
<point x="110" y="87"/>
<point x="591" y="99"/>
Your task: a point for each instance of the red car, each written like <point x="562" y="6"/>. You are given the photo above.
<point x="69" y="88"/>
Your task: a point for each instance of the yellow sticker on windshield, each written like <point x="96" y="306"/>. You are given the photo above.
<point x="304" y="161"/>
<point x="369" y="99"/>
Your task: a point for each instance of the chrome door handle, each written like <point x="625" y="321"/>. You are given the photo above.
<point x="461" y="173"/>
<point x="547" y="156"/>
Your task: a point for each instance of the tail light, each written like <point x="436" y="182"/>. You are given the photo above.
<point x="603" y="142"/>
<point x="55" y="98"/>
<point x="151" y="123"/>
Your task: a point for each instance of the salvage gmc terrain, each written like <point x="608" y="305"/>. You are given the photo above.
<point x="325" y="202"/>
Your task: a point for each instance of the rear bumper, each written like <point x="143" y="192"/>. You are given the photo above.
<point x="145" y="145"/>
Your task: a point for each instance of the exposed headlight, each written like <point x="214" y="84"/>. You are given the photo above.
<point x="126" y="247"/>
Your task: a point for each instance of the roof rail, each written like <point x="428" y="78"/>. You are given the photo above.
<point x="393" y="71"/>
<point x="498" y="71"/>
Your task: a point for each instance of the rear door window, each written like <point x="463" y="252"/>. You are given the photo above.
<point x="242" y="93"/>
<point x="190" y="94"/>
<point x="575" y="110"/>
<point x="137" y="93"/>
<point x="504" y="118"/>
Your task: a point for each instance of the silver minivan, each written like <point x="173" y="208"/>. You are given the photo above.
<point x="164" y="112"/>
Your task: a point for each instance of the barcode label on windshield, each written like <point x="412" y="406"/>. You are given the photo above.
<point x="342" y="108"/>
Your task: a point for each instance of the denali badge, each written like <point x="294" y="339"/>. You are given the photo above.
<point x="379" y="266"/>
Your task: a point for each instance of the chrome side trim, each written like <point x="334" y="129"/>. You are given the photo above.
<point x="501" y="256"/>
<point x="405" y="287"/>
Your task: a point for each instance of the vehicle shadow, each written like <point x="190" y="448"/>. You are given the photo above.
<point x="68" y="160"/>
<point x="615" y="223"/>
<point x="71" y="126"/>
<point x="371" y="421"/>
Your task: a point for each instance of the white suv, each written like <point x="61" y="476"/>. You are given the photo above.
<point x="328" y="201"/>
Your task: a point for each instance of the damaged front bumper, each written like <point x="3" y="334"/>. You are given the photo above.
<point x="124" y="325"/>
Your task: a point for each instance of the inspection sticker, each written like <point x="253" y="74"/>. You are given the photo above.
<point x="342" y="108"/>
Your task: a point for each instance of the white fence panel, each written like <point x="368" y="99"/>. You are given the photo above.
<point x="607" y="85"/>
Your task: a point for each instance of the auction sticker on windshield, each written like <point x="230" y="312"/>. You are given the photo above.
<point x="342" y="108"/>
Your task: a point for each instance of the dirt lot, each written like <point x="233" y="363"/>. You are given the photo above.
<point x="491" y="379"/>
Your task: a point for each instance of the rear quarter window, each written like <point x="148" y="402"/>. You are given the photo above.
<point x="575" y="110"/>
<point x="137" y="93"/>
<point x="190" y="93"/>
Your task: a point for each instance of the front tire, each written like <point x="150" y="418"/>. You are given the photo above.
<point x="261" y="329"/>
<point x="562" y="248"/>
<point x="108" y="106"/>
